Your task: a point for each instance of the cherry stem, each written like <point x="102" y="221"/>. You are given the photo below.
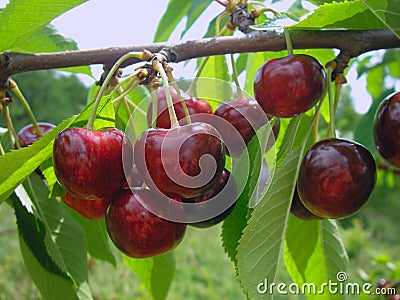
<point x="235" y="78"/>
<point x="170" y="104"/>
<point x="256" y="13"/>
<point x="126" y="98"/>
<point x="316" y="121"/>
<point x="154" y="100"/>
<point x="12" y="85"/>
<point x="288" y="40"/>
<point x="2" y="152"/>
<point x="256" y="3"/>
<point x="168" y="71"/>
<point x="130" y="86"/>
<point x="10" y="126"/>
<point x="110" y="74"/>
<point x="338" y="88"/>
<point x="331" y="129"/>
<point x="130" y="120"/>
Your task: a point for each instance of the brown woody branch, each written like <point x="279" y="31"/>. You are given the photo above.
<point x="350" y="42"/>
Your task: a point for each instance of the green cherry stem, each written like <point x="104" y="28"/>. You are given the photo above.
<point x="235" y="78"/>
<point x="331" y="129"/>
<point x="170" y="104"/>
<point x="103" y="87"/>
<point x="168" y="71"/>
<point x="12" y="85"/>
<point x="130" y="121"/>
<point x="154" y="85"/>
<point x="288" y="40"/>
<point x="2" y="152"/>
<point x="10" y="126"/>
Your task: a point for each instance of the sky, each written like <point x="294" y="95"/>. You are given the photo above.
<point x="104" y="23"/>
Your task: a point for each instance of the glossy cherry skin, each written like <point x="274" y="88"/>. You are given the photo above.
<point x="138" y="232"/>
<point x="88" y="163"/>
<point x="245" y="116"/>
<point x="27" y="135"/>
<point x="194" y="106"/>
<point x="169" y="159"/>
<point x="300" y="211"/>
<point x="336" y="178"/>
<point x="90" y="209"/>
<point x="387" y="129"/>
<point x="214" y="191"/>
<point x="289" y="86"/>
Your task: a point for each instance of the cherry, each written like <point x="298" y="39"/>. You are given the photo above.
<point x="88" y="163"/>
<point x="336" y="178"/>
<point x="194" y="106"/>
<point x="90" y="209"/>
<point x="289" y="86"/>
<point x="387" y="129"/>
<point x="136" y="231"/>
<point x="27" y="135"/>
<point x="245" y="116"/>
<point x="299" y="210"/>
<point x="222" y="197"/>
<point x="181" y="161"/>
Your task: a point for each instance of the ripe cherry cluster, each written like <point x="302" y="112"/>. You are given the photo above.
<point x="185" y="162"/>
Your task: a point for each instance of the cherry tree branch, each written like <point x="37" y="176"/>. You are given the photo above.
<point x="350" y="42"/>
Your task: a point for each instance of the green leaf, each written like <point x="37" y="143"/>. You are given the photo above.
<point x="47" y="39"/>
<point x="301" y="240"/>
<point x="49" y="285"/>
<point x="17" y="165"/>
<point x="261" y="244"/>
<point x="235" y="223"/>
<point x="97" y="239"/>
<point x="33" y="232"/>
<point x="176" y="10"/>
<point x="216" y="68"/>
<point x="156" y="273"/>
<point x="314" y="253"/>
<point x="63" y="233"/>
<point x="349" y="14"/>
<point x="388" y="13"/>
<point x="20" y="20"/>
<point x="195" y="10"/>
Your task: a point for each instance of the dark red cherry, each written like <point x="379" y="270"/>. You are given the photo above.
<point x="299" y="210"/>
<point x="224" y="191"/>
<point x="194" y="106"/>
<point x="136" y="231"/>
<point x="88" y="163"/>
<point x="336" y="178"/>
<point x="289" y="86"/>
<point x="181" y="161"/>
<point x="387" y="129"/>
<point x="90" y="209"/>
<point x="27" y="135"/>
<point x="244" y="117"/>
